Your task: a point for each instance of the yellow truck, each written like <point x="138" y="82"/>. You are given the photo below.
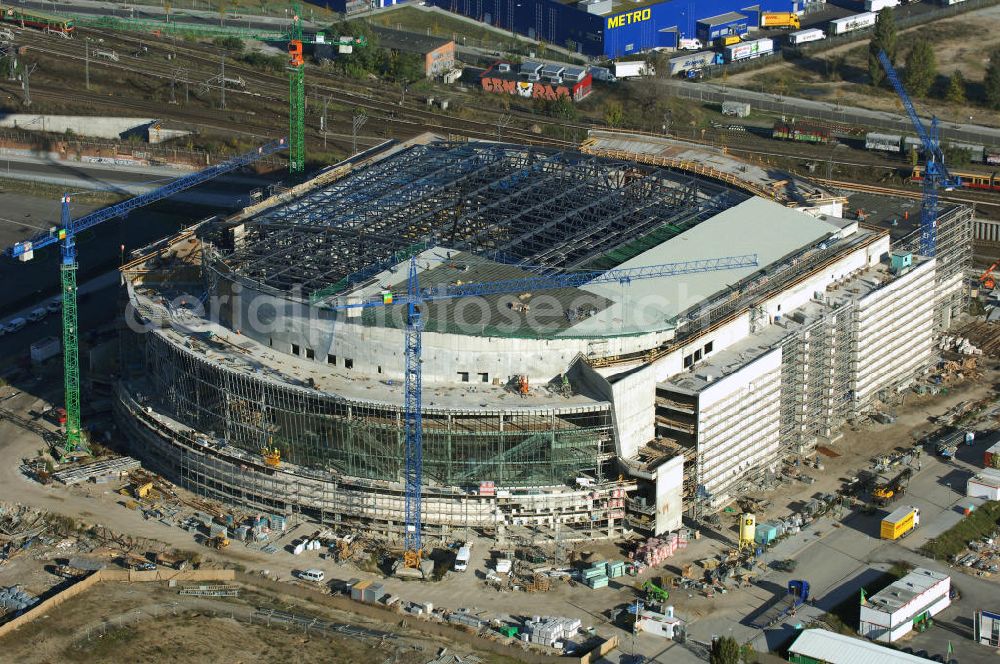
<point x="900" y="522"/>
<point x="786" y="20"/>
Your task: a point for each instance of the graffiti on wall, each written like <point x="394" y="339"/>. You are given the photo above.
<point x="524" y="88"/>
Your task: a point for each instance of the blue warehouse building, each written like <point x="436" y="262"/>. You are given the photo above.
<point x="600" y="28"/>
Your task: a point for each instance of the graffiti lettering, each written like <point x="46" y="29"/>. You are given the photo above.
<point x="524" y="88"/>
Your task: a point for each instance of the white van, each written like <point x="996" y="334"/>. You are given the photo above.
<point x="690" y="45"/>
<point x="313" y="574"/>
<point x="14" y="324"/>
<point x="462" y="559"/>
<point x="38" y="314"/>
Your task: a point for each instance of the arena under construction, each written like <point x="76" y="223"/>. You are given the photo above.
<point x="578" y="411"/>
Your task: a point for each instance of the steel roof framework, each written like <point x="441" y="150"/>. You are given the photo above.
<point x="552" y="210"/>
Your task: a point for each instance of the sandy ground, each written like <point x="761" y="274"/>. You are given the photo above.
<point x="962" y="42"/>
<point x="151" y="623"/>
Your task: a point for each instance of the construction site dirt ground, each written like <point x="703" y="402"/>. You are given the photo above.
<point x="954" y="48"/>
<point x="119" y="622"/>
<point x="101" y="504"/>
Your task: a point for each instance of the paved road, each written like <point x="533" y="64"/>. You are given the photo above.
<point x="75" y="176"/>
<point x="148" y="12"/>
<point x="839" y="558"/>
<point x="712" y="92"/>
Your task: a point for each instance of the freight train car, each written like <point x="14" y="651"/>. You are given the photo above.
<point x="970" y="180"/>
<point x="883" y="142"/>
<point x="803" y="133"/>
<point x="29" y="18"/>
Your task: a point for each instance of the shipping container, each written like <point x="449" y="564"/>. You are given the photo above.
<point x="986" y="485"/>
<point x="749" y="50"/>
<point x="883" y="142"/>
<point x="693" y="61"/>
<point x="877" y="5"/>
<point x="44" y="349"/>
<point x="805" y="36"/>
<point x="840" y="26"/>
<point x="991" y="458"/>
<point x="900" y="522"/>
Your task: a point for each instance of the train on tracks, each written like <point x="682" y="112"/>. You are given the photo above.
<point x="30" y="18"/>
<point x="801" y="132"/>
<point x="970" y="180"/>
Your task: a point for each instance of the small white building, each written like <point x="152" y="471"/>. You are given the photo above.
<point x="904" y="605"/>
<point x="666" y="624"/>
<point x="985" y="484"/>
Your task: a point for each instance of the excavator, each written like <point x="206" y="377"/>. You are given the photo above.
<point x="987" y="280"/>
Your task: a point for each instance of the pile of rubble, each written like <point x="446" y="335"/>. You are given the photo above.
<point x="983" y="556"/>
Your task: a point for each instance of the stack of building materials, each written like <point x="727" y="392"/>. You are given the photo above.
<point x="217" y="530"/>
<point x="503" y="566"/>
<point x="99" y="471"/>
<point x="16" y="599"/>
<point x="655" y="550"/>
<point x="550" y="631"/>
<point x="596" y="576"/>
<point x="616" y="568"/>
<point x="960" y="345"/>
<point x="464" y="618"/>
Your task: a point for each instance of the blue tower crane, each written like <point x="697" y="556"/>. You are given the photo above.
<point x="935" y="172"/>
<point x="415" y="298"/>
<point x="66" y="234"/>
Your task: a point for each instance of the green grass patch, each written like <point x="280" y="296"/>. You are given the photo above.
<point x="412" y="19"/>
<point x="981" y="523"/>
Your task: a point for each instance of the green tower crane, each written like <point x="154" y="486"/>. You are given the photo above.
<point x="296" y="98"/>
<point x="65" y="235"/>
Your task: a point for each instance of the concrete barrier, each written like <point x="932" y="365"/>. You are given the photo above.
<point x="82" y="125"/>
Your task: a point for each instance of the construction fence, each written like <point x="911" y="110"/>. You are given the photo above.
<point x="130" y="576"/>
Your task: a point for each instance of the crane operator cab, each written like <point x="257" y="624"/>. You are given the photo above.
<point x="295" y="53"/>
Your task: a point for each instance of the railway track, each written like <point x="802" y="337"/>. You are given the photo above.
<point x="259" y="87"/>
<point x="907" y="193"/>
